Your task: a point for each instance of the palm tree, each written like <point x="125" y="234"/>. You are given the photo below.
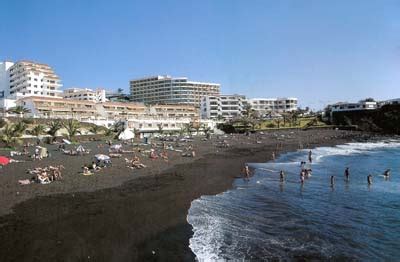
<point x="119" y="127"/>
<point x="120" y="90"/>
<point x="19" y="110"/>
<point x="54" y="126"/>
<point x="95" y="129"/>
<point x="37" y="130"/>
<point x="72" y="126"/>
<point x="188" y="128"/>
<point x="3" y="122"/>
<point x="109" y="132"/>
<point x="9" y="135"/>
<point x="207" y="130"/>
<point x="160" y="129"/>
<point x="19" y="128"/>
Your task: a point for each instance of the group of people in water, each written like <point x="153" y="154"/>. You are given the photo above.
<point x="306" y="172"/>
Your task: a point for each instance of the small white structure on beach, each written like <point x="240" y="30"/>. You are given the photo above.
<point x="126" y="135"/>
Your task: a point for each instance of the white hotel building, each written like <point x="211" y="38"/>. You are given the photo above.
<point x="29" y="78"/>
<point x="223" y="106"/>
<point x="169" y="90"/>
<point x="273" y="105"/>
<point x="231" y="106"/>
<point x="86" y="94"/>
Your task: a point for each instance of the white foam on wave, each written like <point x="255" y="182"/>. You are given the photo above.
<point x="205" y="231"/>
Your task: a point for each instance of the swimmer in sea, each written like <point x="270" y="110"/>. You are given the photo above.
<point x="386" y="174"/>
<point x="369" y="179"/>
<point x="332" y="181"/>
<point x="347" y="174"/>
<point x="310" y="156"/>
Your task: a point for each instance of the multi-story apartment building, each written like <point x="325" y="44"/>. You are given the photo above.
<point x="169" y="90"/>
<point x="31" y="78"/>
<point x="4" y="78"/>
<point x="273" y="105"/>
<point x="231" y="106"/>
<point x="86" y="94"/>
<point x="57" y="107"/>
<point x="361" y="105"/>
<point x="223" y="106"/>
<point x="173" y="111"/>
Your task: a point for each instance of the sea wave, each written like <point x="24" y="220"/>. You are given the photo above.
<point x="239" y="225"/>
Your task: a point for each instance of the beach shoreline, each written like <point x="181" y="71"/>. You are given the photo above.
<point x="141" y="218"/>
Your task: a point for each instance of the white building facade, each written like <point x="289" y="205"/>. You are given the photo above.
<point x="86" y="94"/>
<point x="28" y="78"/>
<point x="4" y="78"/>
<point x="361" y="105"/>
<point x="169" y="90"/>
<point x="265" y="106"/>
<point x="222" y="107"/>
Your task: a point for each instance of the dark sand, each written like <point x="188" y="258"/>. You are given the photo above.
<point x="121" y="214"/>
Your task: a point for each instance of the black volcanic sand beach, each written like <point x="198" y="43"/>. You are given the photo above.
<point x="121" y="214"/>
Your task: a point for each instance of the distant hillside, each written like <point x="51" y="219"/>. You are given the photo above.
<point x="385" y="120"/>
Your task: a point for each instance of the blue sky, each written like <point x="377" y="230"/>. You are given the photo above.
<point x="318" y="51"/>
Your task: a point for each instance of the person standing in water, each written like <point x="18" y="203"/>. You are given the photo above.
<point x="302" y="176"/>
<point x="282" y="176"/>
<point x="369" y="179"/>
<point x="247" y="172"/>
<point x="273" y="156"/>
<point x="310" y="156"/>
<point x="332" y="181"/>
<point x="347" y="174"/>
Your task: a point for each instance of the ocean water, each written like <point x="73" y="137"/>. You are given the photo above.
<point x="265" y="219"/>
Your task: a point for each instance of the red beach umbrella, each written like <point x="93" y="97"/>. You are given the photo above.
<point x="4" y="160"/>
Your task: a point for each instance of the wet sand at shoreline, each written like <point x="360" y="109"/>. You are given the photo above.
<point x="121" y="214"/>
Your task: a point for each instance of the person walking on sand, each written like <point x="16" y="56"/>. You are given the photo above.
<point x="369" y="179"/>
<point x="282" y="176"/>
<point x="347" y="174"/>
<point x="310" y="156"/>
<point x="273" y="156"/>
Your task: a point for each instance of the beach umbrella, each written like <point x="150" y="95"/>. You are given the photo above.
<point x="4" y="160"/>
<point x="102" y="157"/>
<point x="66" y="141"/>
<point x="80" y="148"/>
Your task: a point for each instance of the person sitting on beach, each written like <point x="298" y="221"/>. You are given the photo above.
<point x="164" y="155"/>
<point x="95" y="167"/>
<point x="43" y="178"/>
<point x="86" y="171"/>
<point x="153" y="154"/>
